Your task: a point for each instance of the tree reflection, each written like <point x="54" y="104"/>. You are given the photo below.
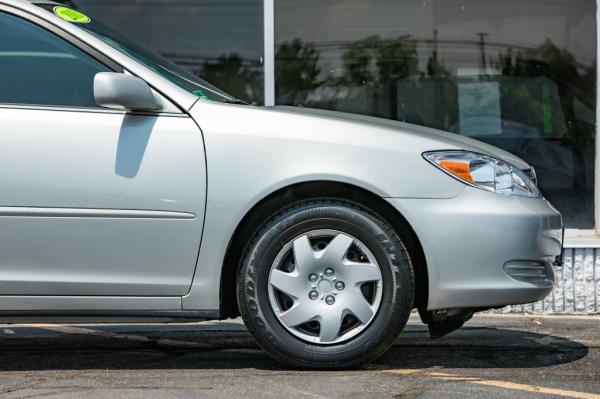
<point x="370" y="65"/>
<point x="242" y="79"/>
<point x="545" y="88"/>
<point x="547" y="99"/>
<point x="558" y="67"/>
<point x="297" y="69"/>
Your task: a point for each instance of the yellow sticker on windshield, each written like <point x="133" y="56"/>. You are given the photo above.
<point x="68" y="14"/>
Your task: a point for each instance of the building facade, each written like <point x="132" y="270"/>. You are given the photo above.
<point x="519" y="74"/>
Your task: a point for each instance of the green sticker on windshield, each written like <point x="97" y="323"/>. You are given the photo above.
<point x="68" y="14"/>
<point x="199" y="93"/>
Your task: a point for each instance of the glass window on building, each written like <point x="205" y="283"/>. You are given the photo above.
<point x="519" y="74"/>
<point x="221" y="41"/>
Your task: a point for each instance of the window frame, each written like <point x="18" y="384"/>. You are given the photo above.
<point x="597" y="159"/>
<point x="269" y="52"/>
<point x="590" y="238"/>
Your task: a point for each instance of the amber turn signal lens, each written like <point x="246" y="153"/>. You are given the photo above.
<point x="484" y="172"/>
<point x="461" y="169"/>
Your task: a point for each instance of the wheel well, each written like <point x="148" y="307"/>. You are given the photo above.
<point x="287" y="196"/>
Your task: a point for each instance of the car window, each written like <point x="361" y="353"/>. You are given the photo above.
<point x="149" y="58"/>
<point x="39" y="68"/>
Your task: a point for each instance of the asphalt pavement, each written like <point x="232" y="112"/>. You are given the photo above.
<point x="493" y="356"/>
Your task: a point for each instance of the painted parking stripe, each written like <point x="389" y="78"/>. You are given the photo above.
<point x="536" y="389"/>
<point x="492" y="315"/>
<point x="499" y="384"/>
<point x="106" y="334"/>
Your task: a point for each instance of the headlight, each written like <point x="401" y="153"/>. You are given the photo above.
<point x="484" y="172"/>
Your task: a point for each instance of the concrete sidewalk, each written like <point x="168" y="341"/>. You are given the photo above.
<point x="512" y="356"/>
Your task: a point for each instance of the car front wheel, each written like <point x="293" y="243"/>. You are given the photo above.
<point x="326" y="284"/>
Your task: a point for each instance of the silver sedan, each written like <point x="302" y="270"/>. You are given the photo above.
<point x="133" y="188"/>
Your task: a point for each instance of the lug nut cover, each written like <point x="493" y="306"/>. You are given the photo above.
<point x="313" y="277"/>
<point x="339" y="285"/>
<point x="329" y="272"/>
<point x="330" y="300"/>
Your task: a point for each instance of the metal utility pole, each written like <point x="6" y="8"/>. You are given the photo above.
<point x="482" y="36"/>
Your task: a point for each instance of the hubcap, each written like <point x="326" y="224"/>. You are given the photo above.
<point x="325" y="286"/>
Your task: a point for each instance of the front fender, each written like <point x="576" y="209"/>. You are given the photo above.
<point x="252" y="152"/>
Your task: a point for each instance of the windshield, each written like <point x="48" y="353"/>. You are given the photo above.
<point x="149" y="58"/>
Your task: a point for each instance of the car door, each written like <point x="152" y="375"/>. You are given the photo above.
<point x="93" y="202"/>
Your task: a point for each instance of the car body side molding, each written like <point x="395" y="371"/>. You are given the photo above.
<point x="92" y="213"/>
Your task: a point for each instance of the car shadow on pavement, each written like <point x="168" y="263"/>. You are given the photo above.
<point x="483" y="347"/>
<point x="162" y="346"/>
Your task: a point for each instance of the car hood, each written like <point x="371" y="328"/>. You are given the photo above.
<point x="451" y="139"/>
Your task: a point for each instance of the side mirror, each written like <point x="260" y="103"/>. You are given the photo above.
<point x="121" y="91"/>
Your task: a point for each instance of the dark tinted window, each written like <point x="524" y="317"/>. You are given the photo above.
<point x="519" y="74"/>
<point x="220" y="41"/>
<point x="37" y="67"/>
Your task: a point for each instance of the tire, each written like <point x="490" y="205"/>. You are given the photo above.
<point x="270" y="263"/>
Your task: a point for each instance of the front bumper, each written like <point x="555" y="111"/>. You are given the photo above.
<point x="485" y="249"/>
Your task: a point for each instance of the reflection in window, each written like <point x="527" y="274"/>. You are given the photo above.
<point x="472" y="67"/>
<point x="40" y="68"/>
<point x="221" y="41"/>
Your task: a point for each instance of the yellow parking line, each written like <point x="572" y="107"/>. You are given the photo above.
<point x="537" y="389"/>
<point x="539" y="316"/>
<point x="37" y="325"/>
<point x="458" y="378"/>
<point x="439" y="374"/>
<point x="405" y="371"/>
<point x="66" y="329"/>
<point x="498" y="384"/>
